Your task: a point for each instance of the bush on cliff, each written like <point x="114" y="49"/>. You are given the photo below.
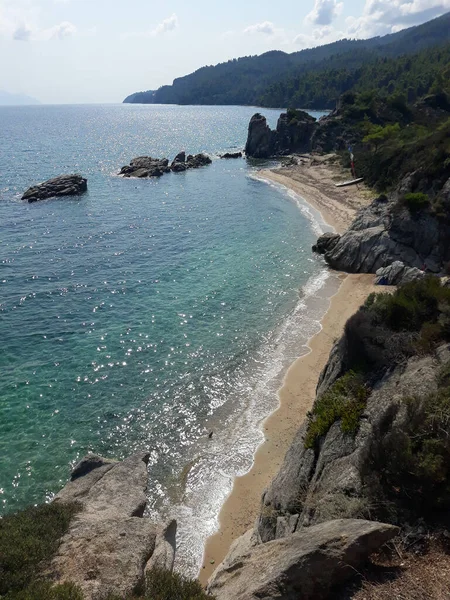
<point x="392" y="327"/>
<point x="345" y="401"/>
<point x="413" y="459"/>
<point x="28" y="540"/>
<point x="164" y="585"/>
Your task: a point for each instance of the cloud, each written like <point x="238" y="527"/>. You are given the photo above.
<point x="324" y="12"/>
<point x="168" y="24"/>
<point x="388" y="16"/>
<point x="22" y="33"/>
<point x="19" y="21"/>
<point x="266" y="28"/>
<point x="318" y="36"/>
<point x="61" y="31"/>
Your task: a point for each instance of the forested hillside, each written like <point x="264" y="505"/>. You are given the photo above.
<point x="279" y="79"/>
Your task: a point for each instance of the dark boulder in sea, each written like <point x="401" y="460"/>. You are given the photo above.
<point x="197" y="160"/>
<point x="179" y="158"/>
<point x="146" y="166"/>
<point x="232" y="155"/>
<point x="64" y="185"/>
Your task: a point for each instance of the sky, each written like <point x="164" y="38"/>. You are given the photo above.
<point x="90" y="51"/>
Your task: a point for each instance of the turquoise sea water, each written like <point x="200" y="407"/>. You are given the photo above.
<point x="147" y="312"/>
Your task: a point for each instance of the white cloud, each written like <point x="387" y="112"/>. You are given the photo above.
<point x="19" y="21"/>
<point x="168" y="24"/>
<point x="318" y="37"/>
<point x="388" y="16"/>
<point x="266" y="28"/>
<point x="324" y="12"/>
<point x="61" y="31"/>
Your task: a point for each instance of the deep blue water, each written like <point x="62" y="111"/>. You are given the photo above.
<point x="146" y="312"/>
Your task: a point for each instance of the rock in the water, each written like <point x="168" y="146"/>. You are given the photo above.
<point x="109" y="542"/>
<point x="146" y="166"/>
<point x="65" y="185"/>
<point x="305" y="565"/>
<point x="260" y="138"/>
<point x="198" y="160"/>
<point x="397" y="274"/>
<point x="179" y="158"/>
<point x="232" y="155"/>
<point x="326" y="242"/>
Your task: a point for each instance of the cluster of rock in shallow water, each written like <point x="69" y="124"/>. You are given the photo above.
<point x="141" y="167"/>
<point x="146" y="166"/>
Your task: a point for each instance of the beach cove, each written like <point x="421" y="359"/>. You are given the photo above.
<point x="314" y="182"/>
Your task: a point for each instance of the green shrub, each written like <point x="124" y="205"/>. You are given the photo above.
<point x="415" y="202"/>
<point x="28" y="540"/>
<point x="164" y="585"/>
<point x="44" y="590"/>
<point x="414" y="459"/>
<point x="345" y="401"/>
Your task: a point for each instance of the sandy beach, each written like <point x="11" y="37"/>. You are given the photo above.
<point x="315" y="182"/>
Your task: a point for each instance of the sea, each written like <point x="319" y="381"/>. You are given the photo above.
<point x="147" y="314"/>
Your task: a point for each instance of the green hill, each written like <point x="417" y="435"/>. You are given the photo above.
<point x="255" y="79"/>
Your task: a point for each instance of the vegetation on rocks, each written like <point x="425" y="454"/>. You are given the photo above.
<point x="344" y="401"/>
<point x="164" y="585"/>
<point x="28" y="540"/>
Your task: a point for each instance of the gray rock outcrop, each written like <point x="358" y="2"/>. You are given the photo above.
<point x="146" y="166"/>
<point x="386" y="232"/>
<point x="306" y="564"/>
<point x="260" y="138"/>
<point x="65" y="185"/>
<point x="326" y="242"/>
<point x="316" y="485"/>
<point x="293" y="133"/>
<point x="109" y="543"/>
<point x="397" y="274"/>
<point x="232" y="155"/>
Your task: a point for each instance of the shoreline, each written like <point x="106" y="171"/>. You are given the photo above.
<point x="297" y="392"/>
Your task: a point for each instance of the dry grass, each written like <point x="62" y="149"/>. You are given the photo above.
<point x="402" y="573"/>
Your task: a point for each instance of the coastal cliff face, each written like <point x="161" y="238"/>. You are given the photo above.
<point x="370" y="451"/>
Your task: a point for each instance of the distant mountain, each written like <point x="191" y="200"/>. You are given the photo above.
<point x="248" y="80"/>
<point x="7" y="99"/>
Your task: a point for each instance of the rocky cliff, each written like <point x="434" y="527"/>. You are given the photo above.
<point x="390" y="230"/>
<point x="367" y="453"/>
<point x="293" y="134"/>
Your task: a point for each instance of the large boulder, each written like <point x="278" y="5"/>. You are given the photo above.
<point x="260" y="142"/>
<point x="146" y="166"/>
<point x="293" y="134"/>
<point x="109" y="543"/>
<point x="397" y="274"/>
<point x="386" y="232"/>
<point x="305" y="565"/>
<point x="198" y="160"/>
<point x="64" y="185"/>
<point x="326" y="242"/>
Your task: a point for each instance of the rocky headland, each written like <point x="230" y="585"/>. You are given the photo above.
<point x="64" y="185"/>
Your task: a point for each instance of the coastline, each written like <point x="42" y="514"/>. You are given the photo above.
<point x="297" y="392"/>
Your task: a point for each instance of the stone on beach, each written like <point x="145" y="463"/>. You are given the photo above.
<point x="64" y="185"/>
<point x="306" y="564"/>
